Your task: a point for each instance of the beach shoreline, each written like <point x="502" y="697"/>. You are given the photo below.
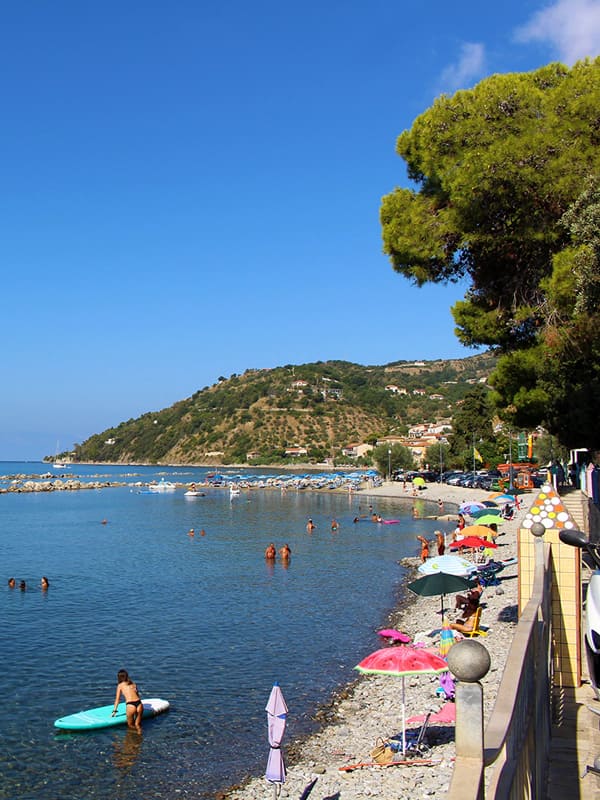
<point x="368" y="708"/>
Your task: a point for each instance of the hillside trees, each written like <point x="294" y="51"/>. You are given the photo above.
<point x="506" y="198"/>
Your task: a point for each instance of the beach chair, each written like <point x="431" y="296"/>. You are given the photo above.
<point x="476" y="630"/>
<point x="415" y="739"/>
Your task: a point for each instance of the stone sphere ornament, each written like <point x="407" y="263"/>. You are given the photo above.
<point x="469" y="660"/>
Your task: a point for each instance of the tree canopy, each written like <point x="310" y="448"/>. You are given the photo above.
<point x="506" y="195"/>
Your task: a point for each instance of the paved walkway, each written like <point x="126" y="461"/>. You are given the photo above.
<point x="576" y="729"/>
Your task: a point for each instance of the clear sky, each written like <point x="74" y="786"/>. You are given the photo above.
<point x="192" y="188"/>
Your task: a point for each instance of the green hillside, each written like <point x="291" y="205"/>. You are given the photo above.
<point x="322" y="406"/>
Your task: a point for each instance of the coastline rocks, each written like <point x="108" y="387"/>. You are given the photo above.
<point x="55" y="486"/>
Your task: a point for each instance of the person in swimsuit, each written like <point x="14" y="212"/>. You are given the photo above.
<point x="45" y="583"/>
<point x="270" y="552"/>
<point x="133" y="703"/>
<point x="11" y="583"/>
<point x="285" y="552"/>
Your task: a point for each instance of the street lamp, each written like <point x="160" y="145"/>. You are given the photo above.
<point x="389" y="463"/>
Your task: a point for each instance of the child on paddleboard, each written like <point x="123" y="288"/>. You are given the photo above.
<point x="133" y="703"/>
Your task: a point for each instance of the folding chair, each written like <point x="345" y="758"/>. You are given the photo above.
<point x="476" y="630"/>
<point x="415" y="739"/>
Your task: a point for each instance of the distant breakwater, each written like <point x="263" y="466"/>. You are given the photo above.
<point x="55" y="485"/>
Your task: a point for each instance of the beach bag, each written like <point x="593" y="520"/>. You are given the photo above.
<point x="382" y="753"/>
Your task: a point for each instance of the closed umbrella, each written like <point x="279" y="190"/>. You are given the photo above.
<point x="276" y="709"/>
<point x="446" y="638"/>
<point x="439" y="583"/>
<point x="402" y="661"/>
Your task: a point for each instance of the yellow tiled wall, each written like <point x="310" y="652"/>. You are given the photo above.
<point x="548" y="510"/>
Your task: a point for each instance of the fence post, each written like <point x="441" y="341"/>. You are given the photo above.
<point x="469" y="661"/>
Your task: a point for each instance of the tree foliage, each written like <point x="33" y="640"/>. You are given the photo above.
<point x="506" y="197"/>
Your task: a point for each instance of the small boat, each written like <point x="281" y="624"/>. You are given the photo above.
<point x="162" y="486"/>
<point x="193" y="493"/>
<point x="59" y="465"/>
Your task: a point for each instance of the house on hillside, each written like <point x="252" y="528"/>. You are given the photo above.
<point x="252" y="455"/>
<point x="296" y="452"/>
<point x="356" y="450"/>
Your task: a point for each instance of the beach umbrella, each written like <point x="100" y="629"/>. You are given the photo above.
<point x="468" y="508"/>
<point x="472" y="542"/>
<point x="439" y="583"/>
<point x="504" y="498"/>
<point x="400" y="662"/>
<point x="418" y="481"/>
<point x="489" y="519"/>
<point x="490" y="504"/>
<point x="477" y="530"/>
<point x="451" y="564"/>
<point x="276" y="709"/>
<point x="484" y="512"/>
<point x="397" y="636"/>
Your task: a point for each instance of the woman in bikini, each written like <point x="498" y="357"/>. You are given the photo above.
<point x="133" y="703"/>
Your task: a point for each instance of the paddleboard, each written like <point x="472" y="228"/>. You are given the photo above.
<point x="102" y="717"/>
<point x="390" y="521"/>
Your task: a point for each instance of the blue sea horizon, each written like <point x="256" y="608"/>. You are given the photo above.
<point x="202" y="621"/>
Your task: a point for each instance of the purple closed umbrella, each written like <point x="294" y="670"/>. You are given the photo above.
<point x="277" y="710"/>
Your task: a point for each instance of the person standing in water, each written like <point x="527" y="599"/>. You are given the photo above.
<point x="133" y="703"/>
<point x="310" y="526"/>
<point x="270" y="552"/>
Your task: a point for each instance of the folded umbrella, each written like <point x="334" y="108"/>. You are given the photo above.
<point x="276" y="709"/>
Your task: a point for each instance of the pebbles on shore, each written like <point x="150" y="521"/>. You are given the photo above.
<point x="371" y="707"/>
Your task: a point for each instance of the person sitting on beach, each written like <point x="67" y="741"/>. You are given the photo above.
<point x="45" y="583"/>
<point x="469" y="603"/>
<point x="424" y="548"/>
<point x="134" y="707"/>
<point x="461" y="522"/>
<point x="441" y="543"/>
<point x="310" y="526"/>
<point x="270" y="552"/>
<point x="285" y="552"/>
<point x="463" y="625"/>
<point x="11" y="583"/>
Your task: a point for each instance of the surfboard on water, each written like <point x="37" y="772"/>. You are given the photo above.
<point x="390" y="521"/>
<point x="102" y="717"/>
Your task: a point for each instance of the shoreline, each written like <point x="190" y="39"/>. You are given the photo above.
<point x="367" y="708"/>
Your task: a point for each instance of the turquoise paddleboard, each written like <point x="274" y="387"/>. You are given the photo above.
<point x="102" y="717"/>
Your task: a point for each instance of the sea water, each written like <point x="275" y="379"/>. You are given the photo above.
<point x="201" y="621"/>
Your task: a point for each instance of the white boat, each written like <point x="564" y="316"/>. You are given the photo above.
<point x="162" y="486"/>
<point x="59" y="465"/>
<point x="193" y="493"/>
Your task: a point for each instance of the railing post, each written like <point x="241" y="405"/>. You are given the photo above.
<point x="469" y="661"/>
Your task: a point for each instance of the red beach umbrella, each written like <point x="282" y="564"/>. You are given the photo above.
<point x="400" y="662"/>
<point x="472" y="541"/>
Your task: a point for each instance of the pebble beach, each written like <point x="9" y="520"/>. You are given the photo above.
<point x="335" y="762"/>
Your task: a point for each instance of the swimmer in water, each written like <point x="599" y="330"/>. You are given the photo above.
<point x="45" y="583"/>
<point x="334" y="524"/>
<point x="285" y="552"/>
<point x="270" y="552"/>
<point x="310" y="526"/>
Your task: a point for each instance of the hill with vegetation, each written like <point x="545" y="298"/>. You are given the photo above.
<point x="322" y="407"/>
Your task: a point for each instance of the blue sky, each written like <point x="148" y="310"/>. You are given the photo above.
<point x="190" y="189"/>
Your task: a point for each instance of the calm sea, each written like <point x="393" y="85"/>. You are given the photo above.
<point x="203" y="622"/>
